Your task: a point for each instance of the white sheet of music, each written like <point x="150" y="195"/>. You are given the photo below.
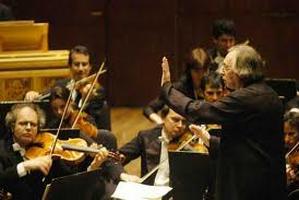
<point x="137" y="191"/>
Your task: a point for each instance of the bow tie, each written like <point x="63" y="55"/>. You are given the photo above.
<point x="17" y="147"/>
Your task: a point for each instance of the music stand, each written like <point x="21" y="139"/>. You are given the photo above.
<point x="285" y="88"/>
<point x="190" y="174"/>
<point x="83" y="186"/>
<point x="64" y="133"/>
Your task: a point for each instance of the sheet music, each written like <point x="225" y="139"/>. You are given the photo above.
<point x="137" y="191"/>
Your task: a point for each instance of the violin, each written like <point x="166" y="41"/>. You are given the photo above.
<point x="82" y="123"/>
<point x="76" y="85"/>
<point x="73" y="147"/>
<point x="188" y="142"/>
<point x="42" y="146"/>
<point x="292" y="172"/>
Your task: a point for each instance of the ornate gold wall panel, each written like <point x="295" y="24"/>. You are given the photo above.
<point x="24" y="71"/>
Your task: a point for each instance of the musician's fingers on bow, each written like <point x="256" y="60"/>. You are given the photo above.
<point x="31" y="96"/>
<point x="42" y="164"/>
<point x="203" y="134"/>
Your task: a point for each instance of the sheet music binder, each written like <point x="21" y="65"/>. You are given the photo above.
<point x="285" y="88"/>
<point x="191" y="174"/>
<point x="83" y="186"/>
<point x="65" y="133"/>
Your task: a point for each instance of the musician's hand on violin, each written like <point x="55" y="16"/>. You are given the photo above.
<point x="130" y="178"/>
<point x="94" y="146"/>
<point x="201" y="133"/>
<point x="99" y="159"/>
<point x="85" y="89"/>
<point x="165" y="71"/>
<point x="291" y="173"/>
<point x="42" y="164"/>
<point x="31" y="96"/>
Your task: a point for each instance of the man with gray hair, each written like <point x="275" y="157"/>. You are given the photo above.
<point x="18" y="175"/>
<point x="250" y="158"/>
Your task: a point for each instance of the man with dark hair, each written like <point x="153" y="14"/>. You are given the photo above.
<point x="80" y="67"/>
<point x="224" y="37"/>
<point x="212" y="86"/>
<point x="151" y="146"/>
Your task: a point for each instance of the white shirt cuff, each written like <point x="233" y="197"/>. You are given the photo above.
<point x="21" y="170"/>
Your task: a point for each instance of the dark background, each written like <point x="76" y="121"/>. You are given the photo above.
<point x="133" y="35"/>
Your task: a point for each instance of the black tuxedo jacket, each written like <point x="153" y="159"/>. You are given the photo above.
<point x="147" y="145"/>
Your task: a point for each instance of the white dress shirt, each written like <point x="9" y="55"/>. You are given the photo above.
<point x="162" y="177"/>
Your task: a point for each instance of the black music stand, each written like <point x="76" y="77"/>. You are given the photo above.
<point x="83" y="186"/>
<point x="191" y="174"/>
<point x="285" y="88"/>
<point x="64" y="133"/>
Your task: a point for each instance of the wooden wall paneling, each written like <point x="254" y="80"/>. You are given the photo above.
<point x="140" y="33"/>
<point x="272" y="27"/>
<point x="135" y="34"/>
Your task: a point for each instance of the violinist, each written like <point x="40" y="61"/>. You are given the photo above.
<point x="18" y="175"/>
<point x="151" y="146"/>
<point x="196" y="65"/>
<point x="291" y="131"/>
<point x="80" y="65"/>
<point x="58" y="99"/>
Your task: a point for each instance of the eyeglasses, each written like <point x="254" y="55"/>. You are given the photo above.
<point x="25" y="124"/>
<point x="77" y="64"/>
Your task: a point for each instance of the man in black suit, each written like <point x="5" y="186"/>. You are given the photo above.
<point x="251" y="164"/>
<point x="79" y="62"/>
<point x="18" y="175"/>
<point x="151" y="145"/>
<point x="224" y="37"/>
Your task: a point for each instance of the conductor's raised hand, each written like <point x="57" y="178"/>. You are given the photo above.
<point x="165" y="71"/>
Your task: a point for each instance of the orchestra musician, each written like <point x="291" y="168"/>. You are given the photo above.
<point x="19" y="176"/>
<point x="291" y="137"/>
<point x="86" y="124"/>
<point x="224" y="37"/>
<point x="196" y="63"/>
<point x="152" y="146"/>
<point x="80" y="65"/>
<point x="252" y="142"/>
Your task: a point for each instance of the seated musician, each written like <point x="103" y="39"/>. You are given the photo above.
<point x="152" y="144"/>
<point x="58" y="99"/>
<point x="212" y="87"/>
<point x="18" y="175"/>
<point x="291" y="131"/>
<point x="197" y="63"/>
<point x="80" y="67"/>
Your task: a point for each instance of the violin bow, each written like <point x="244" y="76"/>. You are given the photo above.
<point x="292" y="150"/>
<point x="100" y="71"/>
<point x="61" y="121"/>
<point x="147" y="175"/>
